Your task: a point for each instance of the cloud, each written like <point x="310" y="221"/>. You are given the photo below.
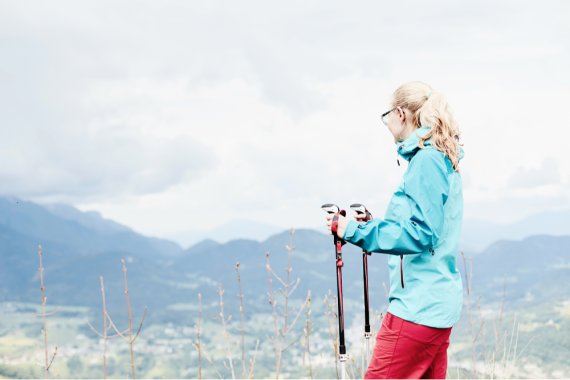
<point x="108" y="164"/>
<point x="546" y="174"/>
<point x="225" y="110"/>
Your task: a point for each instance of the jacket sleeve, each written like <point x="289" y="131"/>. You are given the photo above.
<point x="426" y="188"/>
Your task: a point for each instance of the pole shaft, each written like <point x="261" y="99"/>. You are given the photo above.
<point x="339" y="264"/>
<point x="366" y="298"/>
<point x="343" y="368"/>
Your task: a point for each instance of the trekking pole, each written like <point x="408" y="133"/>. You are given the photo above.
<point x="338" y="243"/>
<point x="360" y="209"/>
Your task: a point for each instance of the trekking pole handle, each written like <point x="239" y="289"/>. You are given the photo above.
<point x="338" y="242"/>
<point x="360" y="209"/>
<point x="331" y="208"/>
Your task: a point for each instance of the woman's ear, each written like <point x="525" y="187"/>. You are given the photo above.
<point x="401" y="114"/>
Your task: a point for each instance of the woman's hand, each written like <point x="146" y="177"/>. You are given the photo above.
<point x="360" y="218"/>
<point x="342" y="223"/>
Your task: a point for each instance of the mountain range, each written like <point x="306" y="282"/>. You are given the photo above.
<point x="477" y="234"/>
<point x="79" y="247"/>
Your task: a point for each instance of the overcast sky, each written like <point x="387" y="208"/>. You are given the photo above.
<point x="181" y="115"/>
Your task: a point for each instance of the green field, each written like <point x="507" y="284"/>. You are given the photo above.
<point x="527" y="344"/>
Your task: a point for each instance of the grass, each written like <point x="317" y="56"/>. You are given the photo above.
<point x="166" y="349"/>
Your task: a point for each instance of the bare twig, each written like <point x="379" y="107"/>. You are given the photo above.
<point x="493" y="361"/>
<point x="307" y="332"/>
<point x="130" y="315"/>
<point x="198" y="344"/>
<point x="283" y="283"/>
<point x="47" y="314"/>
<point x="95" y="330"/>
<point x="512" y="337"/>
<point x="140" y="325"/>
<point x="351" y="365"/>
<point x="272" y="302"/>
<point x="468" y="269"/>
<point x="104" y="328"/>
<point x="225" y="330"/>
<point x="293" y="341"/>
<point x="104" y="336"/>
<point x="209" y="361"/>
<point x="281" y="330"/>
<point x="122" y="334"/>
<point x="331" y="316"/>
<point x="52" y="357"/>
<point x="48" y="361"/>
<point x="252" y="360"/>
<point x="282" y="322"/>
<point x="295" y="286"/>
<point x="290" y="248"/>
<point x="242" y="326"/>
<point x="298" y="315"/>
<point x="526" y="345"/>
<point x="504" y="352"/>
<point x="198" y="336"/>
<point x="131" y="337"/>
<point x="479" y="331"/>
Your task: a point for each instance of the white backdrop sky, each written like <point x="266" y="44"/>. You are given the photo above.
<point x="181" y="115"/>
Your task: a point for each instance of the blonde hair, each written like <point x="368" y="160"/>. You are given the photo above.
<point x="429" y="108"/>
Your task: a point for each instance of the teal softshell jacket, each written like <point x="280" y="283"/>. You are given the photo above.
<point x="420" y="232"/>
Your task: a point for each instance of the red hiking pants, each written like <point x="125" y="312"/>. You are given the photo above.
<point x="407" y="350"/>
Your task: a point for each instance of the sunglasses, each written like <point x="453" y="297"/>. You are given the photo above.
<point x="385" y="116"/>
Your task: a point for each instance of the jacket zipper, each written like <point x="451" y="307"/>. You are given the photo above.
<point x="402" y="270"/>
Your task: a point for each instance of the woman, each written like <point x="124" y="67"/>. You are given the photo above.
<point x="420" y="232"/>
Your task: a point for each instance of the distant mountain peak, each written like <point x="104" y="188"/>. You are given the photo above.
<point x="478" y="234"/>
<point x="204" y="244"/>
<point x="228" y="231"/>
<point x="90" y="219"/>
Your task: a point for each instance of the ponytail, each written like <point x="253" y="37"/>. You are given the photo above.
<point x="429" y="108"/>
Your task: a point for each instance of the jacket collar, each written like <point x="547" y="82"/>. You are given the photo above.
<point x="409" y="147"/>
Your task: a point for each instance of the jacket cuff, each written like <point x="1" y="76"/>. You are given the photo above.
<point x="350" y="229"/>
